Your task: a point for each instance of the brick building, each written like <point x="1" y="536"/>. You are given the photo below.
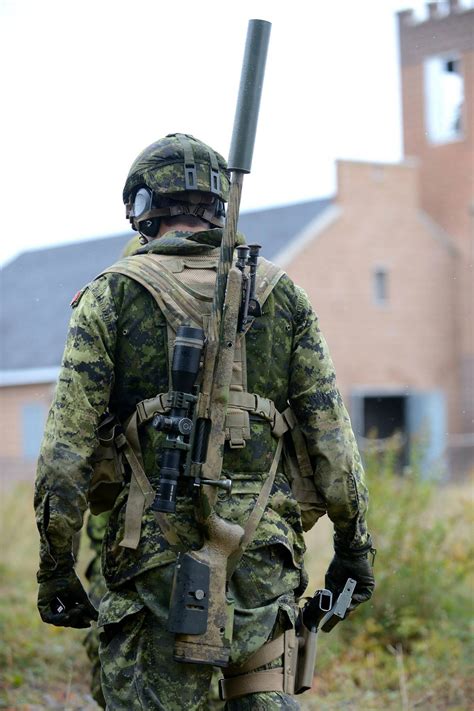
<point x="390" y="273"/>
<point x="387" y="264"/>
<point x="437" y="69"/>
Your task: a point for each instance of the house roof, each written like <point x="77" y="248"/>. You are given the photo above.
<point x="36" y="288"/>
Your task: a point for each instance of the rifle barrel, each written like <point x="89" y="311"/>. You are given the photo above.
<point x="250" y="92"/>
<point x="241" y="150"/>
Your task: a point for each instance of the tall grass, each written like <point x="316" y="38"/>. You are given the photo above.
<point x="411" y="645"/>
<point x="41" y="667"/>
<point x="408" y="648"/>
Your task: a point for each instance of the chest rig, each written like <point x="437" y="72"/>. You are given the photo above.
<point x="183" y="287"/>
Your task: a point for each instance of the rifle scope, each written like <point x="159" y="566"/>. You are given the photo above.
<point x="178" y="424"/>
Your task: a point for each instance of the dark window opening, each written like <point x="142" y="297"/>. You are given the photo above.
<point x="385" y="425"/>
<point x="380" y="286"/>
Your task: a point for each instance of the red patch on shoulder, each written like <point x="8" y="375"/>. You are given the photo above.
<point x="77" y="298"/>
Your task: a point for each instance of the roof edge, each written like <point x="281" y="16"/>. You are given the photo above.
<point x="437" y="232"/>
<point x="312" y="230"/>
<point x="28" y="376"/>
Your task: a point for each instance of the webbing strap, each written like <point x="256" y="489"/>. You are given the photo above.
<point x="140" y="495"/>
<point x="121" y="268"/>
<point x="301" y="450"/>
<point x="150" y="271"/>
<point x="146" y="409"/>
<point x="171" y="291"/>
<point x="266" y="654"/>
<point x="172" y="300"/>
<point x="254" y="683"/>
<point x="158" y="265"/>
<point x="262" y="406"/>
<point x="250" y="402"/>
<point x="245" y="679"/>
<point x="199" y="210"/>
<point x="269" y="275"/>
<point x="256" y="515"/>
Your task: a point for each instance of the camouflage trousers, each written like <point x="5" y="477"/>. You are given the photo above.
<point x="97" y="588"/>
<point x="136" y="649"/>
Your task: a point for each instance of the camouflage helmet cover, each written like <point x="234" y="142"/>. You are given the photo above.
<point x="178" y="163"/>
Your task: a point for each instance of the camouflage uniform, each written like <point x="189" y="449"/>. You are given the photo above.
<point x="95" y="531"/>
<point x="116" y="356"/>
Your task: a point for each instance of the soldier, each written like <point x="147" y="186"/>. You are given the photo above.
<point x="116" y="360"/>
<point x="95" y="530"/>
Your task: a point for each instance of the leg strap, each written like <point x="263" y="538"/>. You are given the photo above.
<point x="266" y="654"/>
<point x="244" y="679"/>
<point x="256" y="682"/>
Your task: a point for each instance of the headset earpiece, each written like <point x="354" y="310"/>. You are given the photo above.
<point x="149" y="228"/>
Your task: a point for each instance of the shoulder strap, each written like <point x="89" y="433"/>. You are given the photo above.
<point x="257" y="513"/>
<point x="156" y="273"/>
<point x="162" y="285"/>
<point x="268" y="276"/>
<point x="180" y="303"/>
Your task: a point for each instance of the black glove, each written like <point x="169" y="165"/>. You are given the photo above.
<point x="62" y="601"/>
<point x="356" y="564"/>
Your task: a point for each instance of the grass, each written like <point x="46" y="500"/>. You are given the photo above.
<point x="409" y="648"/>
<point x="41" y="667"/>
<point x="411" y="645"/>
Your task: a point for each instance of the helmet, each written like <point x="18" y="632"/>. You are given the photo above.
<point x="177" y="175"/>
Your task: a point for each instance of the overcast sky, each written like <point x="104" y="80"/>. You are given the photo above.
<point x="87" y="84"/>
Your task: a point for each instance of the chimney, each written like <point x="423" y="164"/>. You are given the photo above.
<point x="454" y="6"/>
<point x="432" y="10"/>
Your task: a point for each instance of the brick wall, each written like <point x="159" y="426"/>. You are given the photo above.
<point x="447" y="169"/>
<point x="410" y="342"/>
<point x="12" y="400"/>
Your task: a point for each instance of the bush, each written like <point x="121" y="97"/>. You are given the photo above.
<point x="424" y="560"/>
<point x="410" y="645"/>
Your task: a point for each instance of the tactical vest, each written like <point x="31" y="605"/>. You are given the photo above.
<point x="183" y="288"/>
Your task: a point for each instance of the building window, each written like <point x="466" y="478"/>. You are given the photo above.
<point x="33" y="417"/>
<point x="380" y="286"/>
<point x="444" y="96"/>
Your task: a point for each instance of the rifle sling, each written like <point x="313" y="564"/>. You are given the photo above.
<point x="257" y="513"/>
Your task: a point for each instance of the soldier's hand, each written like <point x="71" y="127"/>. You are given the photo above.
<point x="62" y="601"/>
<point x="356" y="564"/>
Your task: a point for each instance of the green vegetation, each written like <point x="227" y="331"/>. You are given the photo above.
<point x="409" y="648"/>
<point x="41" y="667"/>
